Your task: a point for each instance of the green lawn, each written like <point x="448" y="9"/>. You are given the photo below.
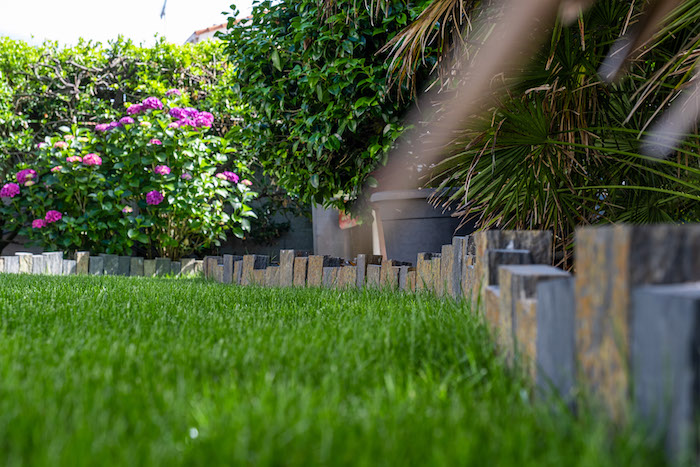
<point x="131" y="371"/>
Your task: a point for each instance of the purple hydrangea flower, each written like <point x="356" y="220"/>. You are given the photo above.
<point x="134" y="109"/>
<point x="177" y="112"/>
<point x="190" y="112"/>
<point x="186" y="176"/>
<point x="53" y="216"/>
<point x="113" y="125"/>
<point x="10" y="190"/>
<point x="162" y="170"/>
<point x="126" y="121"/>
<point x="102" y="127"/>
<point x="25" y="175"/>
<point x="227" y="175"/>
<point x="173" y="92"/>
<point x="152" y="103"/>
<point x="154" y="197"/>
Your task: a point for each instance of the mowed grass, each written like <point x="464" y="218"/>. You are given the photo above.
<point x="129" y="371"/>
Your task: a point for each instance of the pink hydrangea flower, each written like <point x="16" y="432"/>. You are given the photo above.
<point x="152" y="103"/>
<point x="53" y="216"/>
<point x="154" y="197"/>
<point x="173" y="92"/>
<point x="102" y="127"/>
<point x="134" y="109"/>
<point x="58" y="168"/>
<point x="246" y="182"/>
<point x="92" y="159"/>
<point x="74" y="159"/>
<point x="173" y="125"/>
<point x="70" y="137"/>
<point x="230" y="176"/>
<point x="60" y="144"/>
<point x="127" y="210"/>
<point x="126" y="121"/>
<point x="25" y="175"/>
<point x="155" y="141"/>
<point x="186" y="176"/>
<point x="38" y="223"/>
<point x="162" y="170"/>
<point x="9" y="190"/>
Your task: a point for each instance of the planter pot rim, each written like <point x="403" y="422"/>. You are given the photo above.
<point x="394" y="195"/>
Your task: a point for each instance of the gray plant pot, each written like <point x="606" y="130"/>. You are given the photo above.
<point x="412" y="225"/>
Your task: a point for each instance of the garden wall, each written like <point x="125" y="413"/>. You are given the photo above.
<point x="625" y="327"/>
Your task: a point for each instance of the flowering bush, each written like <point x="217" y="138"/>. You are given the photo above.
<point x="153" y="178"/>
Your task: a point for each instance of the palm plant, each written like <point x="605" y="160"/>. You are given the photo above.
<point x="561" y="149"/>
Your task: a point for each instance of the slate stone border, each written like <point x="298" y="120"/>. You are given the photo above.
<point x="625" y="327"/>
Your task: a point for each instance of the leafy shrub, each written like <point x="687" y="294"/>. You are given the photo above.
<point x="152" y="178"/>
<point x="319" y="115"/>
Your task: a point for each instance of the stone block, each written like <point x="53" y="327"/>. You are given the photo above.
<point x="347" y="277"/>
<point x="610" y="262"/>
<point x="237" y="272"/>
<point x="665" y="365"/>
<point x="537" y="242"/>
<point x="424" y="272"/>
<point x="438" y="285"/>
<point x="252" y="263"/>
<point x="373" y="276"/>
<point x="124" y="266"/>
<point x="187" y="266"/>
<point x="69" y="267"/>
<point x="411" y="280"/>
<point x="500" y="257"/>
<point x="286" y="272"/>
<point x="219" y="273"/>
<point x="300" y="270"/>
<point x="447" y="266"/>
<point x="228" y="269"/>
<point x="403" y="277"/>
<point x="199" y="268"/>
<point x="210" y="263"/>
<point x="12" y="264"/>
<point x="38" y="264"/>
<point x="97" y="265"/>
<point x="517" y="283"/>
<point x="454" y="274"/>
<point x="163" y="266"/>
<point x="149" y="267"/>
<point x="111" y="264"/>
<point x="330" y="277"/>
<point x="82" y="259"/>
<point x="258" y="277"/>
<point x="468" y="278"/>
<point x="175" y="268"/>
<point x="272" y="276"/>
<point x="2" y="264"/>
<point x="136" y="266"/>
<point x="491" y="305"/>
<point x="314" y="275"/>
<point x="25" y="262"/>
<point x="555" y="353"/>
<point x="53" y="262"/>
